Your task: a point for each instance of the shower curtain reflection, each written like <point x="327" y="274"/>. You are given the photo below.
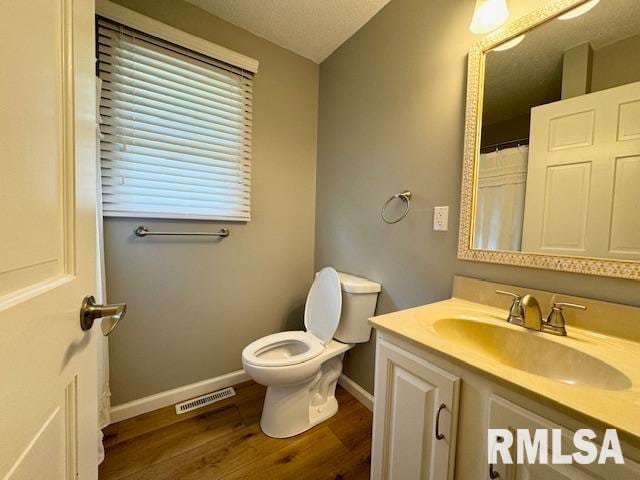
<point x="502" y="179"/>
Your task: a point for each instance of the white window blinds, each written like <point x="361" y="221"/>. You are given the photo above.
<point x="175" y="128"/>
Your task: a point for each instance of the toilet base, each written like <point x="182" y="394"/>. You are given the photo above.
<point x="290" y="410"/>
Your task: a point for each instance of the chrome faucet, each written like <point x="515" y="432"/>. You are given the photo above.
<point x="532" y="313"/>
<point x="525" y="312"/>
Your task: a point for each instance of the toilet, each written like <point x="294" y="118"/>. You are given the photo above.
<point x="301" y="368"/>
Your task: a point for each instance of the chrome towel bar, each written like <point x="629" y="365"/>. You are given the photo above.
<point x="143" y="231"/>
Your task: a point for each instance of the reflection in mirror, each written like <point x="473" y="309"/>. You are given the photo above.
<point x="559" y="163"/>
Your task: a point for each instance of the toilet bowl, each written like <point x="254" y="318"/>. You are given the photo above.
<point x="301" y="368"/>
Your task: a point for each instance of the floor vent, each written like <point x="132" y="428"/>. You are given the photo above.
<point x="204" y="400"/>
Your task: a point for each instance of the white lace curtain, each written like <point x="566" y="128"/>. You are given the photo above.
<point x="500" y="199"/>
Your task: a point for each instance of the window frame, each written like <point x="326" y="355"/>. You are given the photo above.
<point x="129" y="18"/>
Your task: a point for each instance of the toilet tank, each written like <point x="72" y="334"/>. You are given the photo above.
<point x="359" y="297"/>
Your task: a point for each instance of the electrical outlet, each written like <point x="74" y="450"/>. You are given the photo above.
<point x="441" y="219"/>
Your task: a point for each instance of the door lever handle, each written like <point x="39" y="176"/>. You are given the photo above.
<point x="112" y="314"/>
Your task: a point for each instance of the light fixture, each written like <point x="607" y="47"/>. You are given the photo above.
<point x="489" y="15"/>
<point x="510" y="44"/>
<point x="579" y="10"/>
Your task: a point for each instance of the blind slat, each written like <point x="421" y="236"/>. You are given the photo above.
<point x="139" y="63"/>
<point x="139" y="98"/>
<point x="164" y="211"/>
<point x="172" y="197"/>
<point x="155" y="198"/>
<point x="114" y="180"/>
<point x="114" y="116"/>
<point x="127" y="103"/>
<point x="175" y="129"/>
<point x="185" y="134"/>
<point x="123" y="143"/>
<point x="175" y="137"/>
<point x="116" y="83"/>
<point x="142" y="81"/>
<point x="144" y="163"/>
<point x="114" y="176"/>
<point x="171" y="51"/>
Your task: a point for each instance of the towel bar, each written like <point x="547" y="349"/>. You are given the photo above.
<point x="143" y="231"/>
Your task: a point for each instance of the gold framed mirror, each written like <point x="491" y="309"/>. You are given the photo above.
<point x="551" y="170"/>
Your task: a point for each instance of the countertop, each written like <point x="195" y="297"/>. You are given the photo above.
<point x="618" y="409"/>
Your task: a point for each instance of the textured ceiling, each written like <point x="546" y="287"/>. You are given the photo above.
<point x="530" y="74"/>
<point x="311" y="28"/>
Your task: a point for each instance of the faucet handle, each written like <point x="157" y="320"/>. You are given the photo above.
<point x="559" y="305"/>
<point x="555" y="322"/>
<point x="516" y="312"/>
<point x="511" y="294"/>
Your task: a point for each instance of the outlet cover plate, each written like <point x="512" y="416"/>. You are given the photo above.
<point x="441" y="219"/>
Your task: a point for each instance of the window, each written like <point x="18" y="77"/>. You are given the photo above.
<point x="175" y="129"/>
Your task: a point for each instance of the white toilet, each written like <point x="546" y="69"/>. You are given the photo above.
<point x="301" y="368"/>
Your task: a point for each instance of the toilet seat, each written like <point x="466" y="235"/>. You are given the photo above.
<point x="321" y="318"/>
<point x="283" y="349"/>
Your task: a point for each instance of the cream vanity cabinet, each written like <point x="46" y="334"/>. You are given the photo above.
<point x="506" y="415"/>
<point x="415" y="417"/>
<point x="412" y="383"/>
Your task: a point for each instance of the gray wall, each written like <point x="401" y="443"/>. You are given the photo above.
<point x="392" y="102"/>
<point x="194" y="305"/>
<point x="506" y="131"/>
<point x="616" y="64"/>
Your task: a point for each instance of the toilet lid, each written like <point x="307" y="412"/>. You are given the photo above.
<point x="324" y="304"/>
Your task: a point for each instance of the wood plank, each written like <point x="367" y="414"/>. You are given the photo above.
<point x="250" y="404"/>
<point x="227" y="443"/>
<point x="110" y="433"/>
<point x="148" y="422"/>
<point x="143" y="451"/>
<point x="215" y="458"/>
<point x="225" y="455"/>
<point x="302" y="456"/>
<point x="351" y="466"/>
<point x="354" y="428"/>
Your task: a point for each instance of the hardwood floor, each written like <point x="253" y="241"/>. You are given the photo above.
<point x="224" y="441"/>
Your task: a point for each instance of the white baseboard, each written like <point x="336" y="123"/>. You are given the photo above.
<point x="176" y="395"/>
<point x="357" y="391"/>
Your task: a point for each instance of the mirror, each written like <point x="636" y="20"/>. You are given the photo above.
<point x="552" y="157"/>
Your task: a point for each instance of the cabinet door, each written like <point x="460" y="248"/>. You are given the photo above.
<point x="506" y="415"/>
<point x="410" y="394"/>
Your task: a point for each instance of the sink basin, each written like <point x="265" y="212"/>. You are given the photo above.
<point x="532" y="353"/>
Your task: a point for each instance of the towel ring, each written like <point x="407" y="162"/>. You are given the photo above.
<point x="406" y="198"/>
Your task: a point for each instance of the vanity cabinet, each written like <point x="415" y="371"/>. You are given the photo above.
<point x="506" y="415"/>
<point x="415" y="417"/>
<point x="411" y="384"/>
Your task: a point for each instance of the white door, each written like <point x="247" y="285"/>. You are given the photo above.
<point x="415" y="417"/>
<point x="48" y="397"/>
<point x="582" y="182"/>
<point x="504" y="414"/>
